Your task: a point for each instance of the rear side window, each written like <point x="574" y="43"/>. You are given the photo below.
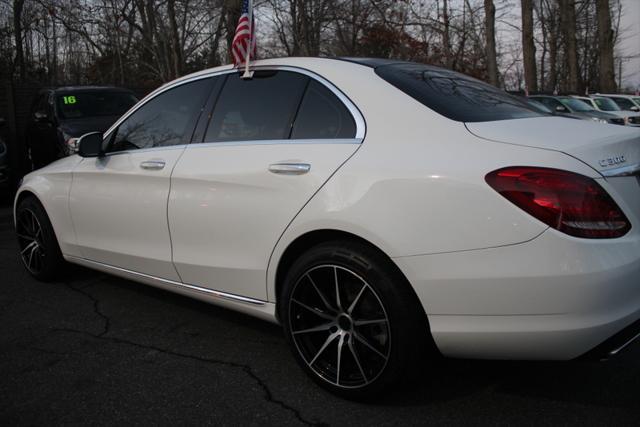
<point x="260" y="108"/>
<point x="454" y="95"/>
<point x="322" y="116"/>
<point x="623" y="103"/>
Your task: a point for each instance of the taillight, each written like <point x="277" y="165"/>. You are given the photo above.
<point x="572" y="203"/>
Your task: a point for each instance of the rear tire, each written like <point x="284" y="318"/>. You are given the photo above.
<point x="39" y="249"/>
<point x="352" y="321"/>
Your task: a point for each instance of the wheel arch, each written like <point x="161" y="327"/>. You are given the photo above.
<point x="310" y="239"/>
<point x="23" y="194"/>
<point x="319" y="236"/>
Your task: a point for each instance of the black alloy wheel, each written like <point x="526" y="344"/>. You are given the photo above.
<point x="353" y="323"/>
<point x="38" y="246"/>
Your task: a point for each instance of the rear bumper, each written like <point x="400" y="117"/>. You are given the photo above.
<point x="617" y="343"/>
<point x="554" y="298"/>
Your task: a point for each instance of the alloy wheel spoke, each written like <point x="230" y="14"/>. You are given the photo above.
<point x="29" y="247"/>
<point x="320" y="294"/>
<point x="25" y="237"/>
<point x="357" y="359"/>
<point x="328" y="341"/>
<point x="372" y="348"/>
<point x="369" y="322"/>
<point x="335" y="278"/>
<point x="319" y="328"/>
<point x="313" y="310"/>
<point x="357" y="298"/>
<point x="31" y="253"/>
<point x="340" y="345"/>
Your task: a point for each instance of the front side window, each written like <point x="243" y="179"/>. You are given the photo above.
<point x="322" y="116"/>
<point x="605" y="104"/>
<point x="575" y="105"/>
<point x="549" y="102"/>
<point x="168" y="119"/>
<point x="259" y="108"/>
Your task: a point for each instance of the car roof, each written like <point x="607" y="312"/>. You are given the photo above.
<point x="615" y="95"/>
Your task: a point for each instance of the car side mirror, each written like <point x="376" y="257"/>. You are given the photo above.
<point x="40" y="116"/>
<point x="90" y="145"/>
<point x="636" y="109"/>
<point x="561" y="109"/>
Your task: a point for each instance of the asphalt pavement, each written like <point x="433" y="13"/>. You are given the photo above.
<point x="96" y="349"/>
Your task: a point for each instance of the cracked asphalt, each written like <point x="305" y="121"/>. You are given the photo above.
<point x="95" y="349"/>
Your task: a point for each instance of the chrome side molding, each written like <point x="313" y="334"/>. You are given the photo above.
<point x="629" y="170"/>
<point x="206" y="291"/>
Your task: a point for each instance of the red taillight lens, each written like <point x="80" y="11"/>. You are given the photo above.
<point x="566" y="201"/>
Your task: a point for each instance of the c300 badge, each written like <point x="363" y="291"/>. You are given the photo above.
<point x="612" y="161"/>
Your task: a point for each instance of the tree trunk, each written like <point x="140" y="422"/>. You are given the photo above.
<point x="233" y="9"/>
<point x="18" y="5"/>
<point x="490" y="41"/>
<point x="605" y="47"/>
<point x="446" y="43"/>
<point x="175" y="47"/>
<point x="528" y="46"/>
<point x="568" y="25"/>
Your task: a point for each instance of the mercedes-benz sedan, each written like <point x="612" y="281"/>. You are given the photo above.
<point x="378" y="210"/>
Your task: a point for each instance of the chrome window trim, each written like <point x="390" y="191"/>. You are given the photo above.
<point x="211" y="292"/>
<point x="353" y="110"/>
<point x="276" y="142"/>
<point x="147" y="150"/>
<point x="630" y="170"/>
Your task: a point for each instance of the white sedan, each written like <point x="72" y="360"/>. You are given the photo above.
<point x="378" y="210"/>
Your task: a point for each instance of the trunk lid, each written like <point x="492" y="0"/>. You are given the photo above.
<point x="606" y="148"/>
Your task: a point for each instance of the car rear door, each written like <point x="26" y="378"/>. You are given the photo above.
<point x="271" y="143"/>
<point x="119" y="201"/>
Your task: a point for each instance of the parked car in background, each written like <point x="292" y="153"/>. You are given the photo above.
<point x="374" y="208"/>
<point x="625" y="102"/>
<point x="539" y="106"/>
<point x="60" y="116"/>
<point x="601" y="103"/>
<point x="571" y="107"/>
<point x="4" y="159"/>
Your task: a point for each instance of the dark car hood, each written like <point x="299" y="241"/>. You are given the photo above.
<point x="78" y="127"/>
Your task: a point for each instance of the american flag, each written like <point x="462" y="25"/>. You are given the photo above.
<point x="244" y="37"/>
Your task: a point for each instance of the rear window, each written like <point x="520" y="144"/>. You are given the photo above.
<point x="455" y="95"/>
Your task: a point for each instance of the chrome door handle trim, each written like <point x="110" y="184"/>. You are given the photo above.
<point x="290" y="168"/>
<point x="152" y="165"/>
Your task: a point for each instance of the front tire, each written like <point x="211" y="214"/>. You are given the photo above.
<point x="351" y="319"/>
<point x="39" y="249"/>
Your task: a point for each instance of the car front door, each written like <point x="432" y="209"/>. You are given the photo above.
<point x="119" y="200"/>
<point x="271" y="143"/>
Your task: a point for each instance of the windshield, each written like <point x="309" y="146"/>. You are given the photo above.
<point x="605" y="104"/>
<point x="636" y="100"/>
<point x="575" y="104"/>
<point x="454" y="95"/>
<point x="78" y="105"/>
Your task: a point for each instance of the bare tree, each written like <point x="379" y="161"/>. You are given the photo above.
<point x="18" y="6"/>
<point x="605" y="47"/>
<point x="528" y="46"/>
<point x="568" y="25"/>
<point x="490" y="41"/>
